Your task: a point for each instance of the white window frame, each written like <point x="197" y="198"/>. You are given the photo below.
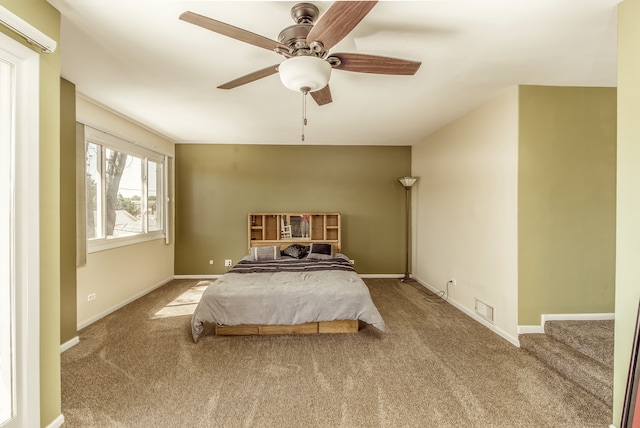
<point x="106" y="140"/>
<point x="25" y="230"/>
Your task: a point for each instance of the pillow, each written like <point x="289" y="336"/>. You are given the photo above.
<point x="297" y="251"/>
<point x="320" y="251"/>
<point x="265" y="253"/>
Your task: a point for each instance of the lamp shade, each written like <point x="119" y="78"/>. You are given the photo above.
<point x="407" y="181"/>
<point x="308" y="72"/>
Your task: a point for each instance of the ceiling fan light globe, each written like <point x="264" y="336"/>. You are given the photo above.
<point x="309" y="72"/>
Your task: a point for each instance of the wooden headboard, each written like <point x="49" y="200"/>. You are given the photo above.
<point x="286" y="228"/>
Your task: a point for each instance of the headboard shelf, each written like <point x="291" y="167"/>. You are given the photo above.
<point x="285" y="228"/>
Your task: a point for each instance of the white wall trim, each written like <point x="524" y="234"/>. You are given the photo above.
<point x="57" y="422"/>
<point x="103" y="314"/>
<point x="70" y="343"/>
<point x="532" y="329"/>
<point x="506" y="336"/>
<point x="576" y="317"/>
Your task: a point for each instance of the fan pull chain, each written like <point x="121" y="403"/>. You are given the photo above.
<point x="305" y="91"/>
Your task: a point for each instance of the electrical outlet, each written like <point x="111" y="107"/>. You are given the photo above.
<point x="228" y="262"/>
<point x="91" y="297"/>
<point x="452" y="282"/>
<point x="353" y="262"/>
<point x="211" y="261"/>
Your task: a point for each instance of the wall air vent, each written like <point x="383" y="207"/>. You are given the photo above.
<point x="484" y="310"/>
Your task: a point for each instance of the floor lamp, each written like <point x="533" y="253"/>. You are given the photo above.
<point x="407" y="182"/>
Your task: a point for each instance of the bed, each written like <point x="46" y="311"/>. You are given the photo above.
<point x="281" y="289"/>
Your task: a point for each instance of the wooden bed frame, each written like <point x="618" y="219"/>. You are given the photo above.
<point x="321" y="327"/>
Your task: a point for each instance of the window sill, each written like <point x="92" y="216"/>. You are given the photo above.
<point x="96" y="245"/>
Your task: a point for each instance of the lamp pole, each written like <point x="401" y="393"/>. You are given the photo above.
<point x="407" y="182"/>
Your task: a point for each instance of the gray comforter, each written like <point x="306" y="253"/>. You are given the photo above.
<point x="286" y="292"/>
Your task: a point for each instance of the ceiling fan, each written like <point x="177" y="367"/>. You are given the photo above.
<point x="306" y="44"/>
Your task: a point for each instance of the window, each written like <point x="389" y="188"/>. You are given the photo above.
<point x="124" y="191"/>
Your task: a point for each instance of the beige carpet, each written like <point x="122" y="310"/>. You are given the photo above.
<point x="434" y="367"/>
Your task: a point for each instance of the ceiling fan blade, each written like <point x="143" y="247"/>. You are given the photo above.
<point x="229" y="31"/>
<point x="338" y="21"/>
<point x="251" y="77"/>
<point x="323" y="96"/>
<point x="363" y="63"/>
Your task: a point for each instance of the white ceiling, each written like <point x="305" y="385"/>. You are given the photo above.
<point x="137" y="58"/>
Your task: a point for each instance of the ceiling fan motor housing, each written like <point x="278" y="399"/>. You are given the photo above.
<point x="294" y="37"/>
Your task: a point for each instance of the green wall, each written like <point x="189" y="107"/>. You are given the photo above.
<point x="68" y="302"/>
<point x="47" y="19"/>
<point x="218" y="185"/>
<point x="566" y="201"/>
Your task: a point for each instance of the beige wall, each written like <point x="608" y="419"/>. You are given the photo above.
<point x="628" y="202"/>
<point x="566" y="201"/>
<point x="44" y="17"/>
<point x="119" y="275"/>
<point x="465" y="210"/>
<point x="217" y="185"/>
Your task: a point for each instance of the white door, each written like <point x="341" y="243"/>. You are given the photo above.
<point x="7" y="362"/>
<point x="19" y="236"/>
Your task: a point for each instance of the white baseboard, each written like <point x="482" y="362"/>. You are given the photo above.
<point x="103" y="314"/>
<point x="57" y="422"/>
<point x="529" y="329"/>
<point x="68" y="344"/>
<point x="497" y="330"/>
<point x="577" y="317"/>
